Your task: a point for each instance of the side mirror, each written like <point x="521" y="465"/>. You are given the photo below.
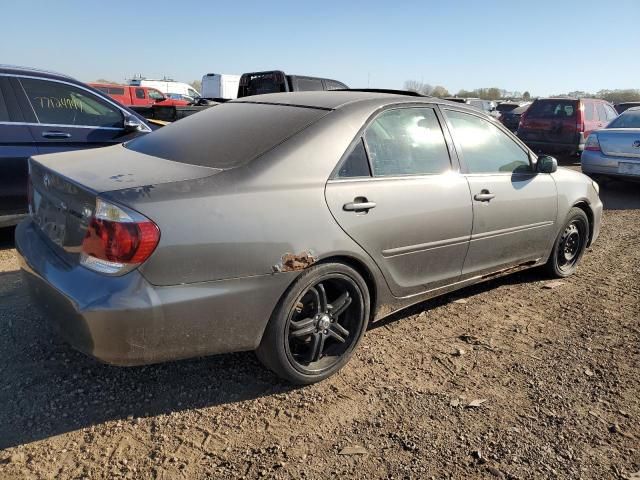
<point x="134" y="124"/>
<point x="546" y="164"/>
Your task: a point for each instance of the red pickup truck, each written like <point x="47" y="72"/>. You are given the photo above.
<point x="132" y="96"/>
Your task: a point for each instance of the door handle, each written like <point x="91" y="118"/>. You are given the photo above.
<point x="51" y="134"/>
<point x="359" y="204"/>
<point x="484" y="196"/>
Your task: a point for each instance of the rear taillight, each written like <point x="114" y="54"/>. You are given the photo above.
<point x="117" y="240"/>
<point x="580" y="118"/>
<point x="592" y="144"/>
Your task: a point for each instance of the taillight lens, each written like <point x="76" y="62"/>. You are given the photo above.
<point x="592" y="144"/>
<point x="117" y="241"/>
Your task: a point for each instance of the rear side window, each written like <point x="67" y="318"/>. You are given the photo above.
<point x="356" y="164"/>
<point x="553" y="109"/>
<point x="139" y="93"/>
<point x="309" y="84"/>
<point x="589" y="112"/>
<point x="116" y="91"/>
<point x="407" y="141"/>
<point x="4" y="113"/>
<point x="62" y="104"/>
<point x="486" y="148"/>
<point x="227" y="135"/>
<point x="333" y="85"/>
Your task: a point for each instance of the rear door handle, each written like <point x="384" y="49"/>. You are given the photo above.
<point x="52" y="134"/>
<point x="359" y="204"/>
<point x="484" y="196"/>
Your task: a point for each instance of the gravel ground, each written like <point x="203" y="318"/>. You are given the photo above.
<point x="507" y="379"/>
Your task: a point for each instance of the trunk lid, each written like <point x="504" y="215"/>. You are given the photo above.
<point x="63" y="188"/>
<point x="620" y="142"/>
<point x="550" y="120"/>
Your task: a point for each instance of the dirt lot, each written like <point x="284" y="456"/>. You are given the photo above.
<point x="503" y="380"/>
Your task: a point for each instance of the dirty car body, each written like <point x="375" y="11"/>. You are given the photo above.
<point x="249" y="196"/>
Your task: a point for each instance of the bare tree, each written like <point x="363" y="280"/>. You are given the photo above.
<point x="420" y="87"/>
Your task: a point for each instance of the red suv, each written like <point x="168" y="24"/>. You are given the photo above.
<point x="561" y="125"/>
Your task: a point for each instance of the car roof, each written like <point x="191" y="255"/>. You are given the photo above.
<point x="332" y="100"/>
<point x="17" y="70"/>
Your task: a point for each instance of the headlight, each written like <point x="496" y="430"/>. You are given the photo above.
<point x="596" y="187"/>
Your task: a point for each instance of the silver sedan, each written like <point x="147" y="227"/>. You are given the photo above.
<point x="286" y="223"/>
<point x="614" y="152"/>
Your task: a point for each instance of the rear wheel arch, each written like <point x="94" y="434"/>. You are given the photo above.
<point x="586" y="208"/>
<point x="364" y="272"/>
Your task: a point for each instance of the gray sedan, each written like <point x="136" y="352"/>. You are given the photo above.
<point x="286" y="223"/>
<point x="615" y="150"/>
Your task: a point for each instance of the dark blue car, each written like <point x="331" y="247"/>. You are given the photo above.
<point x="43" y="112"/>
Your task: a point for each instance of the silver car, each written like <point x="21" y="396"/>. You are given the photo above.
<point x="286" y="223"/>
<point x="615" y="150"/>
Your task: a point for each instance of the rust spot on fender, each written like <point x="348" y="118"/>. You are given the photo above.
<point x="291" y="262"/>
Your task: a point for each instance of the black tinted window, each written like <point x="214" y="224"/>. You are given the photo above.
<point x="407" y="141"/>
<point x="4" y="114"/>
<point x="62" y="104"/>
<point x="139" y="93"/>
<point x="309" y="84"/>
<point x="486" y="148"/>
<point x="356" y="164"/>
<point x="227" y="135"/>
<point x="553" y="109"/>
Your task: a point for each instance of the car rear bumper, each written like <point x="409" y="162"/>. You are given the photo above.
<point x="128" y="321"/>
<point x="597" y="163"/>
<point x="552" y="147"/>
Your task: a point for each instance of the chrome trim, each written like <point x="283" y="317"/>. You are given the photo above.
<point x="507" y="231"/>
<point x="395" y="252"/>
<point x="59" y="125"/>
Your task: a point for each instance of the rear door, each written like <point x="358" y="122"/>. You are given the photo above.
<point x="69" y="117"/>
<point x="514" y="208"/>
<point x="16" y="146"/>
<point x="400" y="197"/>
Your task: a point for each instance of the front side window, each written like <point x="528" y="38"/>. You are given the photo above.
<point x="334" y="85"/>
<point x="407" y="141"/>
<point x="62" y="104"/>
<point x="611" y="113"/>
<point x="140" y="93"/>
<point x="486" y="148"/>
<point x="155" y="95"/>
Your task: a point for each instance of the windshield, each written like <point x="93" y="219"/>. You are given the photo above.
<point x="553" y="109"/>
<point x="227" y="135"/>
<point x="628" y="119"/>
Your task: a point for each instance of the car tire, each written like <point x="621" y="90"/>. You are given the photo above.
<point x="317" y="324"/>
<point x="569" y="245"/>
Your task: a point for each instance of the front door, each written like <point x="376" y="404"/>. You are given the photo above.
<point x="68" y="117"/>
<point x="514" y="208"/>
<point x="399" y="197"/>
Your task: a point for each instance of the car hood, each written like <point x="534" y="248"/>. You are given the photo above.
<point x="116" y="168"/>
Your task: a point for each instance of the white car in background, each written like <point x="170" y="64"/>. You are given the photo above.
<point x="168" y="86"/>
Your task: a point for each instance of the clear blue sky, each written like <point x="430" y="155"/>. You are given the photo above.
<point x="542" y="46"/>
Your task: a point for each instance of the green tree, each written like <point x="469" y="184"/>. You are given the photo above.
<point x="439" y="91"/>
<point x="526" y="95"/>
<point x="197" y="85"/>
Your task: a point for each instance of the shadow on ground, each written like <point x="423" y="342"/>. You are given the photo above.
<point x="7" y="238"/>
<point x="47" y="388"/>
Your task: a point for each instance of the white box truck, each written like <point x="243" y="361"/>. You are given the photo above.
<point x="220" y="86"/>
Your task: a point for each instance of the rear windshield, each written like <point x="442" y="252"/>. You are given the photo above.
<point x="226" y="135"/>
<point x="553" y="109"/>
<point x="263" y="83"/>
<point x="506" y="107"/>
<point x="629" y="119"/>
